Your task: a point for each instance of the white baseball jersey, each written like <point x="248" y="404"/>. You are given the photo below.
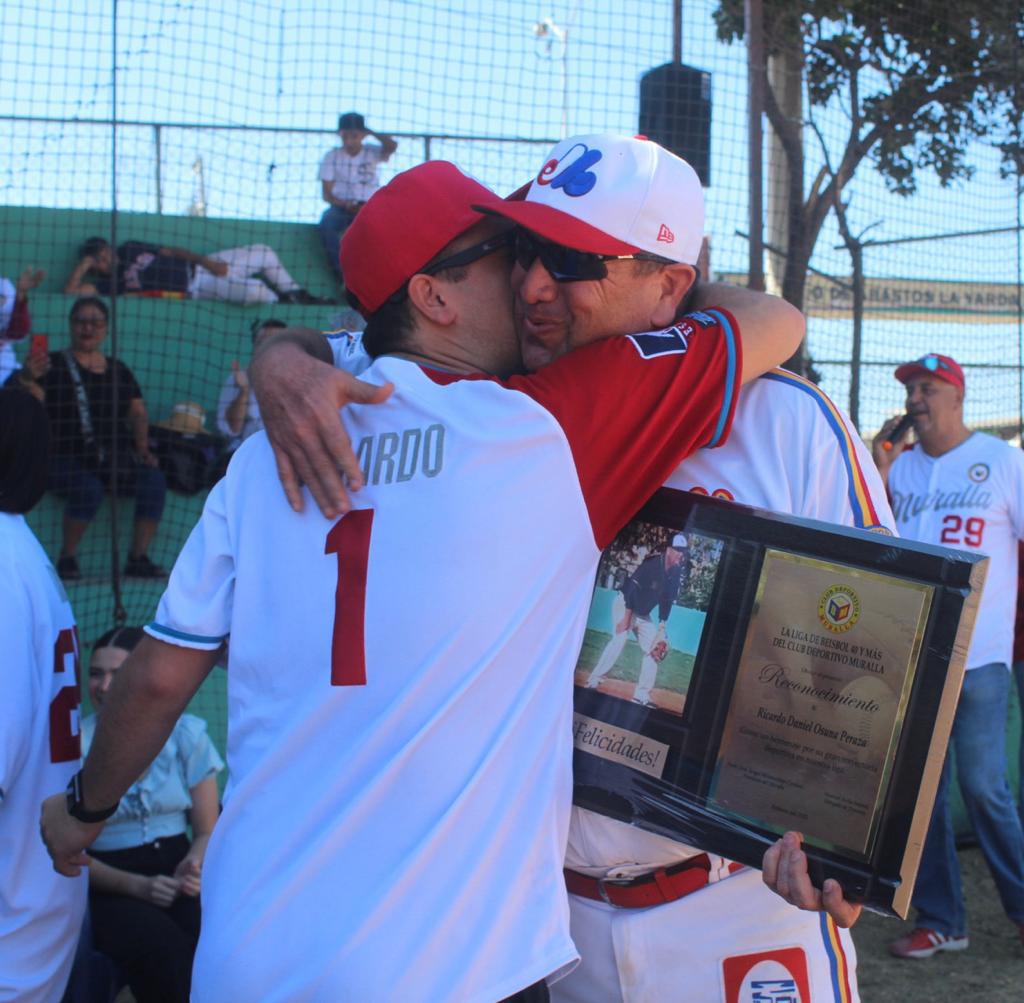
<point x="40" y="911"/>
<point x="792" y="450"/>
<point x="399" y="681"/>
<point x="971" y="498"/>
<point x="347" y="349"/>
<point x="352" y="177"/>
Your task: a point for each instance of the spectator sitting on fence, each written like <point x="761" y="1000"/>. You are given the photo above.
<point x="15" y="321"/>
<point x="145" y="875"/>
<point x="244" y="275"/>
<point x="238" y="413"/>
<point x="348" y="177"/>
<point x="77" y="387"/>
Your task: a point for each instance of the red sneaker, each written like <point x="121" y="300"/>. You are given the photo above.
<point x="923" y="943"/>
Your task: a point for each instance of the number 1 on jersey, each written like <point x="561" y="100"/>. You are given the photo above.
<point x="349" y="538"/>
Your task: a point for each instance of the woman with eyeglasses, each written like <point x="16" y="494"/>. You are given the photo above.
<point x="99" y="437"/>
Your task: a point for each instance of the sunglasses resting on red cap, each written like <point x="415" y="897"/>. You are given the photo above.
<point x="942" y="367"/>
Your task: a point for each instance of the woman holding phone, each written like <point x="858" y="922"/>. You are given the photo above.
<point x="100" y="437"/>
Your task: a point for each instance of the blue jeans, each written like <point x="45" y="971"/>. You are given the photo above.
<point x="1018" y="671"/>
<point x="979" y="737"/>
<point x="84" y="487"/>
<point x="333" y="223"/>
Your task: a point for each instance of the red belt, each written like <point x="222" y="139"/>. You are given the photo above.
<point x="645" y="890"/>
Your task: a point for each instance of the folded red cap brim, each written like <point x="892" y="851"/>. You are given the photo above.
<point x="559" y="227"/>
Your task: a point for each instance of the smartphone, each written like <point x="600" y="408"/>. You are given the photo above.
<point x="39" y="345"/>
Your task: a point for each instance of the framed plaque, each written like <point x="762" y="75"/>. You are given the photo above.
<point x="745" y="673"/>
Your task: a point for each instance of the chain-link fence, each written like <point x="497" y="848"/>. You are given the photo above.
<point x="201" y="126"/>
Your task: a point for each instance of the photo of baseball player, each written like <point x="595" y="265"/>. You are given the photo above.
<point x="642" y="638"/>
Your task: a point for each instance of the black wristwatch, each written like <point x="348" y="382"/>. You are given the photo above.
<point x="77" y="810"/>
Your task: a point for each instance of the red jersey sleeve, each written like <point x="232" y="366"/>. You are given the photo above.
<point x="632" y="408"/>
<point x="20" y="323"/>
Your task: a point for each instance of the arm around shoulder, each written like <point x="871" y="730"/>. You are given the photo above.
<point x="299" y="393"/>
<point x="770" y="329"/>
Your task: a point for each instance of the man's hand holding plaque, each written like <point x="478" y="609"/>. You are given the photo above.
<point x="784" y="871"/>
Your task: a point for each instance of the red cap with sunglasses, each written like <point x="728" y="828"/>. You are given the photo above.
<point x="942" y="367"/>
<point x="404" y="225"/>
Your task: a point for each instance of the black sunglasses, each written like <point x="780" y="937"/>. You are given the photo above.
<point x="464" y="257"/>
<point x="470" y="254"/>
<point x="566" y="264"/>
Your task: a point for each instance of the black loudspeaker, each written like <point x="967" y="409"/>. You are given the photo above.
<point x="675" y="111"/>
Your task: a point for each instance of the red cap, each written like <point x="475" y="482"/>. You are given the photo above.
<point x="404" y="225"/>
<point x="942" y="367"/>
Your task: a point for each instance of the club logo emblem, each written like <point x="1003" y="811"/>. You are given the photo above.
<point x="665" y="235"/>
<point x="777" y="976"/>
<point x="573" y="176"/>
<point x="838" y="608"/>
<point x="978" y="472"/>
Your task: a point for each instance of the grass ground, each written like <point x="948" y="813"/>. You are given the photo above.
<point x="991" y="970"/>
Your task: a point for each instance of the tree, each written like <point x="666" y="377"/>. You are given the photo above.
<point x="918" y="83"/>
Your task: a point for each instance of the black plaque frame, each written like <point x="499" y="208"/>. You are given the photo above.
<point x="675" y="804"/>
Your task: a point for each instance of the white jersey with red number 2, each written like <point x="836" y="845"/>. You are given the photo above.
<point x="40" y="911"/>
<point x="400" y="680"/>
<point x="792" y="450"/>
<point x="971" y="498"/>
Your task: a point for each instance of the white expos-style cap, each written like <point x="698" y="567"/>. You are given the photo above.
<point x="613" y="194"/>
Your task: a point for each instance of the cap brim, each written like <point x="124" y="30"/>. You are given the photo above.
<point x="559" y="227"/>
<point x="909" y="370"/>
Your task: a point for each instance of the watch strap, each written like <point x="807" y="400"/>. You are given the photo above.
<point x="77" y="810"/>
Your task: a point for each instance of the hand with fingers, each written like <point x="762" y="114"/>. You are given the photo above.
<point x="784" y="871"/>
<point x="299" y="398"/>
<point x="890" y="441"/>
<point x="189" y="874"/>
<point x="28" y="280"/>
<point x="240" y="375"/>
<point x="161" y="890"/>
<point x="65" y="837"/>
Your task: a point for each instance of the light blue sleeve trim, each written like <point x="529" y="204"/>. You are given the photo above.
<point x="163" y="633"/>
<point x="730" y="378"/>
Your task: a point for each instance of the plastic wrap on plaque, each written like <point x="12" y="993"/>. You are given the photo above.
<point x="744" y="673"/>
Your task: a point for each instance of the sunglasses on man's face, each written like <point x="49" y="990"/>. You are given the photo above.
<point x="470" y="254"/>
<point x="466" y="256"/>
<point x="566" y="264"/>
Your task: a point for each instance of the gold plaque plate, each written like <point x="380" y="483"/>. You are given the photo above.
<point x="819" y="699"/>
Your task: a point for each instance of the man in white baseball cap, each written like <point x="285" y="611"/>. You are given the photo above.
<point x="596" y="200"/>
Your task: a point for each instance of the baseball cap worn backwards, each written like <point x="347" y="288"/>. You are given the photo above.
<point x="610" y="194"/>
<point x="942" y="367"/>
<point x="404" y="225"/>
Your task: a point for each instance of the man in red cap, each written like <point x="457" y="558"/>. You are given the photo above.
<point x="963" y="489"/>
<point x="399" y="698"/>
